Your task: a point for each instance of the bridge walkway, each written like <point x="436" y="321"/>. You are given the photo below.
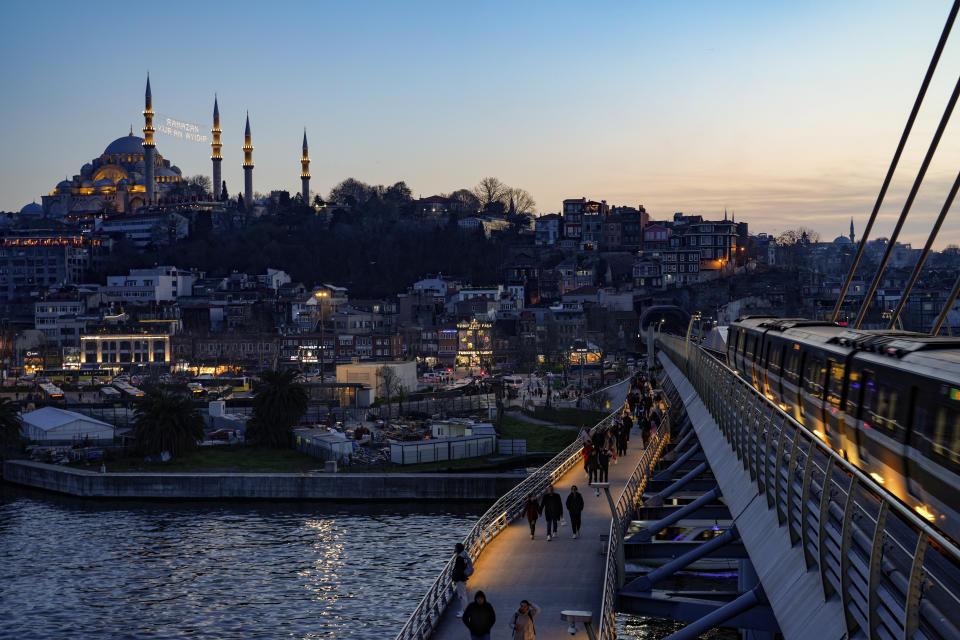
<point x="558" y="575"/>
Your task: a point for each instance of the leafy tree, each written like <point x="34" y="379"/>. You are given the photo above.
<point x="167" y="422"/>
<point x="351" y="191"/>
<point x="278" y="405"/>
<point x="318" y="201"/>
<point x="10" y="423"/>
<point x="398" y="193"/>
<point x="464" y="201"/>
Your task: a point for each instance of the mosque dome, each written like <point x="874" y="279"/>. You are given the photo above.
<point x="176" y="170"/>
<point x="103" y="182"/>
<point x="86" y="183"/>
<point x="86" y="169"/>
<point x="32" y="209"/>
<point x="126" y="144"/>
<point x="842" y="240"/>
<point x="64" y="184"/>
<point x="166" y="173"/>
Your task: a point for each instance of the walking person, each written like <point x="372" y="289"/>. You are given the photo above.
<point x="462" y="568"/>
<point x="522" y="622"/>
<point x="622" y="436"/>
<point x="603" y="466"/>
<point x="593" y="466"/>
<point x="532" y="511"/>
<point x="552" y="508"/>
<point x="479" y="617"/>
<point x="575" y="509"/>
<point x="627" y="426"/>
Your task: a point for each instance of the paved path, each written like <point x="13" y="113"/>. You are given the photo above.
<point x="557" y="575"/>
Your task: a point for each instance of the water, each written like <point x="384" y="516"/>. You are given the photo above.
<point x="100" y="569"/>
<point x="84" y="569"/>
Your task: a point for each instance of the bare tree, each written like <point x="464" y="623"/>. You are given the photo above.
<point x="523" y="203"/>
<point x="390" y="385"/>
<point x="489" y="190"/>
<point x="200" y="181"/>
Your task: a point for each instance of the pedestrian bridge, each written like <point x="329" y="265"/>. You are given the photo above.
<point x="822" y="550"/>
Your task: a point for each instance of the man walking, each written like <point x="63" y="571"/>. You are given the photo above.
<point x="552" y="509"/>
<point x="575" y="509"/>
<point x="532" y="511"/>
<point x="462" y="568"/>
<point x="479" y="617"/>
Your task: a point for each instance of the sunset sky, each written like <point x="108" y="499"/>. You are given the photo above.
<point x="786" y="113"/>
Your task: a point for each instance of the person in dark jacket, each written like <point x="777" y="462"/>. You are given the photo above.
<point x="459" y="576"/>
<point x="479" y="617"/>
<point x="552" y="508"/>
<point x="603" y="465"/>
<point x="575" y="509"/>
<point x="532" y="511"/>
<point x="627" y="426"/>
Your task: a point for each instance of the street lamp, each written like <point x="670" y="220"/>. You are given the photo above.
<point x="581" y="352"/>
<point x="321" y="296"/>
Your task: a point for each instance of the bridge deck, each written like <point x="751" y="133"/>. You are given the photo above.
<point x="558" y="575"/>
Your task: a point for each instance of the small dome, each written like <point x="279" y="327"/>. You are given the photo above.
<point x="176" y="170"/>
<point x="842" y="240"/>
<point x="86" y="183"/>
<point x="86" y="170"/>
<point x="164" y="172"/>
<point x="126" y="144"/>
<point x="65" y="184"/>
<point x="32" y="209"/>
<point x="104" y="182"/>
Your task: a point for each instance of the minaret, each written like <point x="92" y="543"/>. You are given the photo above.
<point x="851" y="232"/>
<point x="215" y="145"/>
<point x="149" y="148"/>
<point x="305" y="170"/>
<point x="247" y="166"/>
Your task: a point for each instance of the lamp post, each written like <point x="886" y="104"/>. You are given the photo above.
<point x="321" y="297"/>
<point x="581" y="353"/>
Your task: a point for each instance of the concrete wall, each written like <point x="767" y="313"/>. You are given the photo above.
<point x="274" y="486"/>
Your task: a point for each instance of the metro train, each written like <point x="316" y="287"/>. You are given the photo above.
<point x="887" y="401"/>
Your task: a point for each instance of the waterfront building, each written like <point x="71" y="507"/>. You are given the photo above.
<point x="143" y="286"/>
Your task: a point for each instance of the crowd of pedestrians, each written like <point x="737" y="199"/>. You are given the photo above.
<point x="599" y="449"/>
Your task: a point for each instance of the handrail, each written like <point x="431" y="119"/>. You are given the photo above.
<point x="894" y="572"/>
<point x="507" y="508"/>
<point x="625" y="509"/>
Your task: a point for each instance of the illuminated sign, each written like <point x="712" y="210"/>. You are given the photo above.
<point x="955" y="394"/>
<point x="180" y="129"/>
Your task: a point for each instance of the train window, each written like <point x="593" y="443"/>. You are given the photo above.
<point x="946" y="434"/>
<point x="813" y="377"/>
<point x="776" y="358"/>
<point x="889" y="407"/>
<point x="748" y="348"/>
<point x="834" y="383"/>
<point x="792" y="372"/>
<point x="855" y="391"/>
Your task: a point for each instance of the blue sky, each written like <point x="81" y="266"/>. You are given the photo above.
<point x="786" y="113"/>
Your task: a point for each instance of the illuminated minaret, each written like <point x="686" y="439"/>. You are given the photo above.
<point x="247" y="166"/>
<point x="305" y="170"/>
<point x="149" y="148"/>
<point x="215" y="145"/>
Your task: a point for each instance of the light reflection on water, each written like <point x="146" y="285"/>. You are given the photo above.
<point x="85" y="569"/>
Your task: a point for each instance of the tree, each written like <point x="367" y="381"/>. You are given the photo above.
<point x="523" y="203"/>
<point x="200" y="182"/>
<point x="167" y="422"/>
<point x="10" y="423"/>
<point x="391" y="386"/>
<point x="464" y="201"/>
<point x="489" y="190"/>
<point x="278" y="405"/>
<point x="398" y="193"/>
<point x="223" y="191"/>
<point x="318" y="201"/>
<point x="351" y="191"/>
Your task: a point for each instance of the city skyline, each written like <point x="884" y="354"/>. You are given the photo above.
<point x="786" y="117"/>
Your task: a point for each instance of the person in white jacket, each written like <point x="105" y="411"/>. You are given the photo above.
<point x="522" y="621"/>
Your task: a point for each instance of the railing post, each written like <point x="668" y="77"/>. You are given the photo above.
<point x="825" y="497"/>
<point x="804" y="499"/>
<point x="914" y="589"/>
<point x="876" y="564"/>
<point x="845" y="535"/>
<point x="791" y="472"/>
<point x="774" y="499"/>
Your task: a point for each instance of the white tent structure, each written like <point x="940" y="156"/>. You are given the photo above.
<point x="52" y="425"/>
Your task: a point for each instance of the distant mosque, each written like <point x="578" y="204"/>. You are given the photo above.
<point x="131" y="174"/>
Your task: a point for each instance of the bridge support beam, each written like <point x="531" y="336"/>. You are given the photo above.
<point x="645" y="583"/>
<point x="746" y="601"/>
<point x="644" y="535"/>
<point x="667" y="473"/>
<point x="658" y="499"/>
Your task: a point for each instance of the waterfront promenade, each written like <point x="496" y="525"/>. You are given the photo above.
<point x="558" y="575"/>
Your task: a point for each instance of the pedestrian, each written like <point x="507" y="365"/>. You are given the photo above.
<point x="593" y="467"/>
<point x="603" y="465"/>
<point x="532" y="510"/>
<point x="522" y="622"/>
<point x="462" y="568"/>
<point x="479" y="617"/>
<point x="586" y="451"/>
<point x="622" y="436"/>
<point x="627" y="426"/>
<point x="575" y="509"/>
<point x="552" y="509"/>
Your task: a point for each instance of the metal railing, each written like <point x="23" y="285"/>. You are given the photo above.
<point x="895" y="575"/>
<point x="509" y="507"/>
<point x="626" y="507"/>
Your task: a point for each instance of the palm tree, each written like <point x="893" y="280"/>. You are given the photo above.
<point x="167" y="422"/>
<point x="10" y="423"/>
<point x="278" y="404"/>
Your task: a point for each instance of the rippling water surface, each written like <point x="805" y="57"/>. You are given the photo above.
<point x="83" y="569"/>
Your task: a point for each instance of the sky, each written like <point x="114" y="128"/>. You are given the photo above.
<point x="786" y="114"/>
